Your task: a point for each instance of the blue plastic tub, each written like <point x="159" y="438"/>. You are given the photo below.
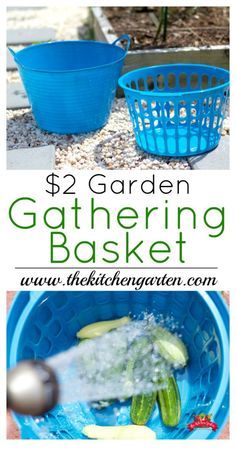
<point x="71" y="84"/>
<point x="41" y="324"/>
<point x="178" y="109"/>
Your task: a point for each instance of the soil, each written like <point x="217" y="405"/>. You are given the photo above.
<point x="187" y="26"/>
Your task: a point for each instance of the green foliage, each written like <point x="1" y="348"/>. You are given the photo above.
<point x="163" y="24"/>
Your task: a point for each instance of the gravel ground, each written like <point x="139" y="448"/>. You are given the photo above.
<point x="226" y="127"/>
<point x="112" y="147"/>
<point x="13" y="75"/>
<point x="66" y="20"/>
<point x="69" y="22"/>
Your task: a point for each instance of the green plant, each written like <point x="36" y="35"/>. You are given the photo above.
<point x="162" y="24"/>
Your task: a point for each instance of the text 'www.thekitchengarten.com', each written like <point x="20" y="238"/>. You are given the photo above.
<point x="97" y="278"/>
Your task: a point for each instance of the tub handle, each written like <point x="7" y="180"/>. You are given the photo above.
<point x="12" y="52"/>
<point x="123" y="37"/>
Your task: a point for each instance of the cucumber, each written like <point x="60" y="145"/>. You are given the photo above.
<point x="170" y="347"/>
<point x="118" y="432"/>
<point x="169" y="403"/>
<point x="101" y="327"/>
<point x="138" y="347"/>
<point x="142" y="407"/>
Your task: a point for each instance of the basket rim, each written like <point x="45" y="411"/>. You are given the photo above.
<point x="43" y="44"/>
<point x="150" y="93"/>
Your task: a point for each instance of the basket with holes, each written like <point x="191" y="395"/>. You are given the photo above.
<point x="41" y="324"/>
<point x="177" y="109"/>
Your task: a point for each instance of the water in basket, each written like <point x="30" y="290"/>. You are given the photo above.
<point x="42" y="324"/>
<point x="177" y="109"/>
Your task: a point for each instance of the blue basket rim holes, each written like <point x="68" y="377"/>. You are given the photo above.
<point x="144" y="71"/>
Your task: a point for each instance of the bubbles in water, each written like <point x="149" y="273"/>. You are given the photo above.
<point x="117" y="365"/>
<point x="101" y="374"/>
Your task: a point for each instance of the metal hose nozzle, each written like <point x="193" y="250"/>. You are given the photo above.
<point x="32" y="388"/>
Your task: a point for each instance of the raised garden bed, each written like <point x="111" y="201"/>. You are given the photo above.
<point x="186" y="26"/>
<point x="201" y="52"/>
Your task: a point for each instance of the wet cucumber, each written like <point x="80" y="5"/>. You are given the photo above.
<point x="142" y="407"/>
<point x="118" y="432"/>
<point x="101" y="327"/>
<point x="138" y="348"/>
<point x="169" y="403"/>
<point x="170" y="347"/>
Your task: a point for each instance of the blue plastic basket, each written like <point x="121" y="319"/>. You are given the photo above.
<point x="41" y="324"/>
<point x="71" y="84"/>
<point x="178" y="109"/>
